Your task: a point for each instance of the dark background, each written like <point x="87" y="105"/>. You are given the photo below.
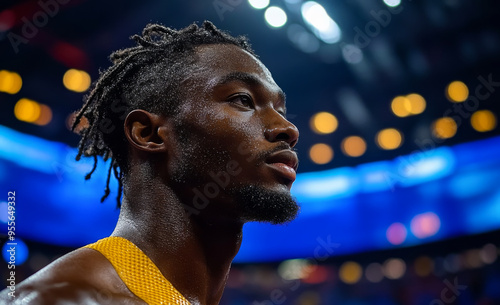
<point x="423" y="47"/>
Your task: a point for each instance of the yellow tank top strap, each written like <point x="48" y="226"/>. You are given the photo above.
<point x="138" y="272"/>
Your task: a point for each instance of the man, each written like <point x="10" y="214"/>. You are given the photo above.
<point x="195" y="128"/>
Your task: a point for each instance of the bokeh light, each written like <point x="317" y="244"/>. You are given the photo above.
<point x="45" y="115"/>
<point x="489" y="253"/>
<point x="425" y="225"/>
<point x="259" y="4"/>
<point x="396" y="233"/>
<point x="316" y="274"/>
<point x="27" y="110"/>
<point x="10" y="82"/>
<point x="400" y="106"/>
<point x="394" y="268"/>
<point x="324" y="123"/>
<point x="30" y="111"/>
<point x="483" y="121"/>
<point x="374" y="272"/>
<point x="21" y="252"/>
<point x="84" y="123"/>
<point x="416" y="102"/>
<point x="423" y="266"/>
<point x="7" y="20"/>
<point x="472" y="259"/>
<point x="353" y="146"/>
<point x="318" y="20"/>
<point x="352" y="54"/>
<point x="76" y="80"/>
<point x="321" y="153"/>
<point x="294" y="269"/>
<point x="350" y="272"/>
<point x="392" y="3"/>
<point x="275" y="16"/>
<point x="389" y="139"/>
<point x="457" y="92"/>
<point x="444" y="128"/>
<point x="412" y="104"/>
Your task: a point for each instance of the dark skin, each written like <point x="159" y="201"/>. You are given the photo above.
<point x="192" y="246"/>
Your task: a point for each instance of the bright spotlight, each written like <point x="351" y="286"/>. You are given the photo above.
<point x="259" y="4"/>
<point x="352" y="54"/>
<point x="316" y="17"/>
<point x="392" y="3"/>
<point x="275" y="16"/>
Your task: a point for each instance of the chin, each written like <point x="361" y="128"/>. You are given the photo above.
<point x="261" y="204"/>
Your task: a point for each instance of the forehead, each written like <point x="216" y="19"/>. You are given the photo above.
<point x="216" y="61"/>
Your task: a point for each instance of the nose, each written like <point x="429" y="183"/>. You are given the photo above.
<point x="280" y="129"/>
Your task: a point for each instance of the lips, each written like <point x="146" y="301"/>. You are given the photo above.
<point x="285" y="163"/>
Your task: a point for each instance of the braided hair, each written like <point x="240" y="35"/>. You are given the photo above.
<point x="146" y="76"/>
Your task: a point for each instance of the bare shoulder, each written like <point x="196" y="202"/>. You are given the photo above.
<point x="83" y="276"/>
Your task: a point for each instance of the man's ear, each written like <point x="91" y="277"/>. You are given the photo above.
<point x="144" y="131"/>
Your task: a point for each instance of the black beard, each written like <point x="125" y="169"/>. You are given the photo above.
<point x="263" y="205"/>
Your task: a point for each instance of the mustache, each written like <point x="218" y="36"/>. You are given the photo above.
<point x="281" y="146"/>
<point x="263" y="155"/>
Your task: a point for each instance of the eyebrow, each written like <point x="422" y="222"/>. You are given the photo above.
<point x="246" y="78"/>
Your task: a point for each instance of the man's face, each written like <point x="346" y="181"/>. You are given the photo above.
<point x="232" y="157"/>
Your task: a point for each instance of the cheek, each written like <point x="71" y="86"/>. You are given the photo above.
<point x="244" y="139"/>
<point x="220" y="136"/>
<point x="225" y="127"/>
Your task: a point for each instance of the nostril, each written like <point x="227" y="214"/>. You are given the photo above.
<point x="282" y="137"/>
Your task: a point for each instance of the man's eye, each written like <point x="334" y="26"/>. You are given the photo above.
<point x="242" y="100"/>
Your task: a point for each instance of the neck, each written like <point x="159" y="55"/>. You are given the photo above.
<point x="193" y="255"/>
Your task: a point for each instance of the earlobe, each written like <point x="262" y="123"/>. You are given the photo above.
<point x="142" y="130"/>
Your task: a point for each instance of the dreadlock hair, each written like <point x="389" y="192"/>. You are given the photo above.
<point x="146" y="76"/>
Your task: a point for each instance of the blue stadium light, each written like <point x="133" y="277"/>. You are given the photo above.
<point x="15" y="252"/>
<point x="328" y="184"/>
<point x="376" y="176"/>
<point x="426" y="166"/>
<point x="38" y="154"/>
